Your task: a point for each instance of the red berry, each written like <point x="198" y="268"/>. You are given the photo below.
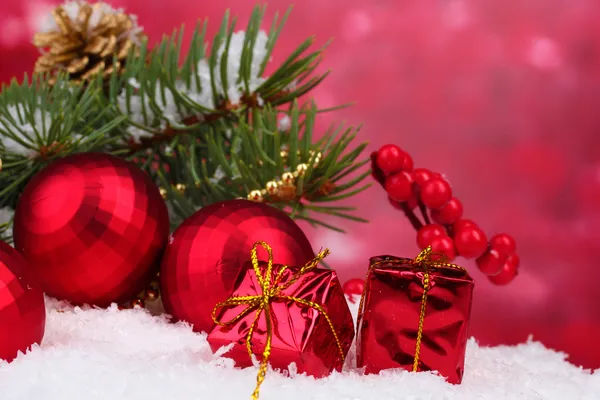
<point x="503" y="243"/>
<point x="412" y="202"/>
<point x="444" y="245"/>
<point x="435" y="193"/>
<point x="509" y="271"/>
<point x="449" y="213"/>
<point x="354" y="287"/>
<point x="470" y="241"/>
<point x="422" y="175"/>
<point x="399" y="186"/>
<point x="390" y="158"/>
<point x="429" y="232"/>
<point x="408" y="163"/>
<point x="463" y="223"/>
<point x="491" y="262"/>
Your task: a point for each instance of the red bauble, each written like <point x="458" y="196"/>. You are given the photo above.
<point x="509" y="271"/>
<point x="436" y="192"/>
<point x="470" y="241"/>
<point x="444" y="245"/>
<point x="92" y="227"/>
<point x="399" y="186"/>
<point x="391" y="158"/>
<point x="22" y="309"/>
<point x="426" y="234"/>
<point x="208" y="250"/>
<point x="449" y="213"/>
<point x="354" y="287"/>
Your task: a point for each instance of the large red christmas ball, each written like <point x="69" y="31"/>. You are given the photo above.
<point x="22" y="309"/>
<point x="92" y="227"/>
<point x="207" y="252"/>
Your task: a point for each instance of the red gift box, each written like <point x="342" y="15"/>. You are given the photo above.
<point x="302" y="312"/>
<point x="414" y="314"/>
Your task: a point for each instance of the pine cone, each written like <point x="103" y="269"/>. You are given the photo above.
<point x="83" y="39"/>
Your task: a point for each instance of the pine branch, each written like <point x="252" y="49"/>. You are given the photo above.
<point x="162" y="99"/>
<point x="40" y="122"/>
<point x="218" y="167"/>
<point x="206" y="129"/>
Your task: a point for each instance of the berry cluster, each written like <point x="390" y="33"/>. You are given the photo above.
<point x="443" y="228"/>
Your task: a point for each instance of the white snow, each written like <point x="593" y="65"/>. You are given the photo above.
<point x="204" y="97"/>
<point x="91" y="354"/>
<point x="24" y="128"/>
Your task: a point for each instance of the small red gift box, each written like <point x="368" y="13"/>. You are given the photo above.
<point x="301" y="311"/>
<point x="414" y="314"/>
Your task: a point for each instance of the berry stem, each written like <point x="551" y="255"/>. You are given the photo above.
<point x="414" y="220"/>
<point x="423" y="210"/>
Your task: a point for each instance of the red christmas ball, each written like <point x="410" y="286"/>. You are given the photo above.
<point x="426" y="234"/>
<point x="391" y="158"/>
<point x="509" y="271"/>
<point x="92" y="227"/>
<point x="470" y="242"/>
<point x="22" y="309"/>
<point x="209" y="249"/>
<point x="436" y="192"/>
<point x="449" y="213"/>
<point x="354" y="287"/>
<point x="399" y="186"/>
<point x="445" y="246"/>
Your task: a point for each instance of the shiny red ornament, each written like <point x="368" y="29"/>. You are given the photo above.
<point x="389" y="321"/>
<point x="353" y="287"/>
<point x="208" y="250"/>
<point x="300" y="334"/>
<point x="22" y="309"/>
<point x="92" y="227"/>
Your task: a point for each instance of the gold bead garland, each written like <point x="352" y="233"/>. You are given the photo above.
<point x="148" y="295"/>
<point x="285" y="188"/>
<point x="179" y="187"/>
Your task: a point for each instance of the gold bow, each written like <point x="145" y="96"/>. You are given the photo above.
<point x="272" y="291"/>
<point x="422" y="260"/>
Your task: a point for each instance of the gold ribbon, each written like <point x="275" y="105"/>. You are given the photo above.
<point x="422" y="260"/>
<point x="272" y="291"/>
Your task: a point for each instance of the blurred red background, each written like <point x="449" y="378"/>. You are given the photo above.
<point x="503" y="96"/>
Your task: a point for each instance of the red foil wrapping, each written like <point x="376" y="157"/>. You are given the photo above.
<point x="389" y="320"/>
<point x="300" y="334"/>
